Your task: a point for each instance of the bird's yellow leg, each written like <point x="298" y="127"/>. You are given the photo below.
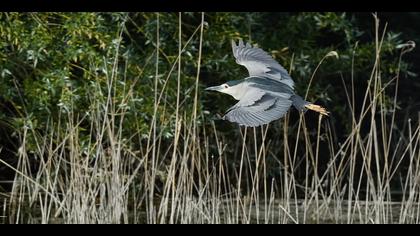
<point x="317" y="108"/>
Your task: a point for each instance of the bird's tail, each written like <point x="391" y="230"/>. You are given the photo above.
<point x="317" y="108"/>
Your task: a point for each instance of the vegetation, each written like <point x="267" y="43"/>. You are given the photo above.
<point x="103" y="119"/>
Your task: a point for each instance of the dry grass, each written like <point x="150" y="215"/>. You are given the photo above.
<point x="186" y="183"/>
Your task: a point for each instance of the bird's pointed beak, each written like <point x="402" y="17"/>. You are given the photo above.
<point x="214" y="88"/>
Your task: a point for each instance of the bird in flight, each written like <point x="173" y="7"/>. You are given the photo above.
<point x="266" y="95"/>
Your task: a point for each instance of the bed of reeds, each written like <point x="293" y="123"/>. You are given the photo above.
<point x="190" y="181"/>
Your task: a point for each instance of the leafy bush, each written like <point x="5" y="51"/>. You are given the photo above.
<point x="56" y="64"/>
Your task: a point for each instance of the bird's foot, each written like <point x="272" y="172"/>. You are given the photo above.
<point x="317" y="108"/>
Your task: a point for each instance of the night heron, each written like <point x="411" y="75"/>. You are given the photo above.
<point x="265" y="95"/>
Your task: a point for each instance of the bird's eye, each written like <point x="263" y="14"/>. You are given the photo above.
<point x="226" y="86"/>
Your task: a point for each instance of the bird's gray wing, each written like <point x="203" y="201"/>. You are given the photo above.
<point x="259" y="63"/>
<point x="261" y="112"/>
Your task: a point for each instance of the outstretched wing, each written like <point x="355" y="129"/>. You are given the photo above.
<point x="259" y="63"/>
<point x="261" y="112"/>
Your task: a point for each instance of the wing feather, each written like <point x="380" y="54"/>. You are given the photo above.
<point x="261" y="112"/>
<point x="260" y="63"/>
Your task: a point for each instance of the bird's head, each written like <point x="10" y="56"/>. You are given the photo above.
<point x="232" y="88"/>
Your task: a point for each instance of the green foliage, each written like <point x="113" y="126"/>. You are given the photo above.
<point x="53" y="64"/>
